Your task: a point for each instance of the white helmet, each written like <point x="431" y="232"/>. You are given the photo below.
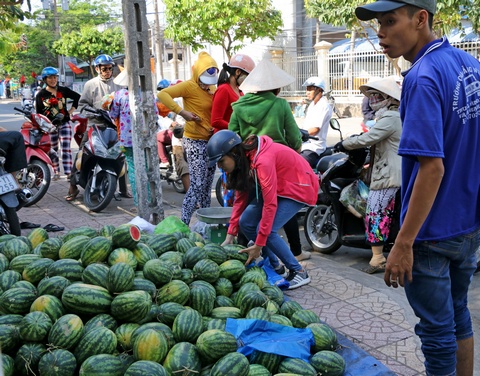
<point x="315" y="81"/>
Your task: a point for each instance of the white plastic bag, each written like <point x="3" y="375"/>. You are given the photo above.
<point x="354" y="198"/>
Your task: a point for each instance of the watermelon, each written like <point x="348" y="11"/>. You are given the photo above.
<point x="50" y="305"/>
<point x="4" y="262"/>
<point x="186" y="275"/>
<point x="193" y="255"/>
<point x="18" y="263"/>
<point x="96" y="250"/>
<point x="282" y="320"/>
<point x="150" y="345"/>
<point x="82" y="298"/>
<point x="97" y="341"/>
<point x="37" y="270"/>
<point x="258" y="370"/>
<point x="53" y="286"/>
<point x="124" y="335"/>
<point x="224" y="301"/>
<point x="161" y="243"/>
<point x="232" y="364"/>
<point x="146" y="368"/>
<point x="206" y="270"/>
<point x="173" y="256"/>
<point x="296" y="366"/>
<point x="216" y="253"/>
<point x="252" y="299"/>
<point x="50" y="248"/>
<point x="37" y="236"/>
<point x="232" y="270"/>
<point x="102" y="365"/>
<point x="274" y="293"/>
<point x="223" y="286"/>
<point x="159" y="327"/>
<point x="82" y="230"/>
<point x="73" y="248"/>
<point x="120" y="278"/>
<point x="126" y="235"/>
<point x="215" y="324"/>
<point x="57" y="362"/>
<point x="8" y="278"/>
<point x="101" y="320"/>
<point x="106" y="230"/>
<point x="143" y="253"/>
<point x="232" y="252"/>
<point x="28" y="357"/>
<point x="168" y="311"/>
<point x="202" y="299"/>
<point x="175" y="291"/>
<point x="258" y="278"/>
<point x="11" y="319"/>
<point x="17" y="300"/>
<point x="96" y="274"/>
<point x="66" y="332"/>
<point x="145" y="285"/>
<point x="158" y="271"/>
<point x="8" y="365"/>
<point x="304" y="317"/>
<point x="131" y="306"/>
<point x="187" y="326"/>
<point x="268" y="360"/>
<point x="328" y="363"/>
<point x="226" y="312"/>
<point x="289" y="307"/>
<point x="15" y="247"/>
<point x="214" y="344"/>
<point x="258" y="313"/>
<point x="183" y="359"/>
<point x="69" y="268"/>
<point x="9" y="337"/>
<point x="122" y="255"/>
<point x="184" y="244"/>
<point x="325" y="338"/>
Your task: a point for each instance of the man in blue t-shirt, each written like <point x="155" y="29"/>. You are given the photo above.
<point x="434" y="253"/>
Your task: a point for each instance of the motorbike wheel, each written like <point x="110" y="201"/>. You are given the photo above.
<point x="9" y="223"/>
<point x="221" y="190"/>
<point x="178" y="186"/>
<point x="38" y="180"/>
<point x="103" y="192"/>
<point x="323" y="238"/>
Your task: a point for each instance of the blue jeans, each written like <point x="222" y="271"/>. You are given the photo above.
<point x="276" y="246"/>
<point x="442" y="272"/>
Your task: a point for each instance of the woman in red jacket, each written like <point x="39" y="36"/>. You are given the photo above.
<point x="229" y="80"/>
<point x="284" y="182"/>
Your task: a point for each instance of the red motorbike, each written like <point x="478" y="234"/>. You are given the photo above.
<point x="36" y="176"/>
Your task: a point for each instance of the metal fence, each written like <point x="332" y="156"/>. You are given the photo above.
<point x="349" y="70"/>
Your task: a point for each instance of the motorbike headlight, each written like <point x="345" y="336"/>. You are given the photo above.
<point x="44" y="124"/>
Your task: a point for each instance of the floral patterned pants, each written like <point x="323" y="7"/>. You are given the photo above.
<point x="379" y="216"/>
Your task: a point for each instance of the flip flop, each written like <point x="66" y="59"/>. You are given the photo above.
<point x="53" y="228"/>
<point x="72" y="196"/>
<point x="374" y="269"/>
<point x="126" y="195"/>
<point x="25" y="225"/>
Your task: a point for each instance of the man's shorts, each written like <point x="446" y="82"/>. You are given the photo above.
<point x="181" y="164"/>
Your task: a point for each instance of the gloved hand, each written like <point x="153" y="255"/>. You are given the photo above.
<point x="339" y="147"/>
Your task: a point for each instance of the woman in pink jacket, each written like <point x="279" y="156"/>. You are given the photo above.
<point x="284" y="183"/>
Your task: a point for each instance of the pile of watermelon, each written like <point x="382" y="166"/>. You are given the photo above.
<point x="116" y="301"/>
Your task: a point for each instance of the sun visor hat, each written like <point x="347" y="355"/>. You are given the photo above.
<point x="370" y="11"/>
<point x="209" y="77"/>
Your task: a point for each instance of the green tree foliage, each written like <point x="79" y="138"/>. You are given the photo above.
<point x="89" y="42"/>
<point x="10" y="13"/>
<point x="226" y="23"/>
<point x="342" y="13"/>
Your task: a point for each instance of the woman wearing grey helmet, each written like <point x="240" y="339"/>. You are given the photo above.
<point x="284" y="183"/>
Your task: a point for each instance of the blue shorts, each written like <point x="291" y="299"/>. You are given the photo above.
<point x="442" y="272"/>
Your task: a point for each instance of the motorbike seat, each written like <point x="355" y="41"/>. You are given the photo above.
<point x="326" y="162"/>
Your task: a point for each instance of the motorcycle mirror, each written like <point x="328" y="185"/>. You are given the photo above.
<point x="335" y="125"/>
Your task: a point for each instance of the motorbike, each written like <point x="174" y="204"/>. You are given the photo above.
<point x="36" y="136"/>
<point x="100" y="162"/>
<point x="12" y="198"/>
<point x="329" y="224"/>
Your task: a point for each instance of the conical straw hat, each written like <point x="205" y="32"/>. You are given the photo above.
<point x="266" y="76"/>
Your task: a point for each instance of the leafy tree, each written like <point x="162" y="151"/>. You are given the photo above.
<point x="342" y="13"/>
<point x="227" y="23"/>
<point x="10" y="13"/>
<point x="89" y="42"/>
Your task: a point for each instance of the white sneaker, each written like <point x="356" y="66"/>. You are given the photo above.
<point x="164" y="165"/>
<point x="297" y="279"/>
<point x="305" y="255"/>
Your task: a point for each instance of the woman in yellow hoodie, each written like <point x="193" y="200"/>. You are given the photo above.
<point x="197" y="96"/>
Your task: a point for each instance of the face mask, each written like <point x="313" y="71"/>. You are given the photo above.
<point x="241" y="78"/>
<point x="377" y="101"/>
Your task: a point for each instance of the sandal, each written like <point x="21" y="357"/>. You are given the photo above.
<point x="55" y="177"/>
<point x="72" y="196"/>
<point x="53" y="228"/>
<point x="374" y="269"/>
<point x="126" y="194"/>
<point x="25" y="225"/>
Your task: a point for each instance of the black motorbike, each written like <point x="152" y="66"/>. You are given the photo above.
<point x="101" y="162"/>
<point x="329" y="224"/>
<point x="12" y="198"/>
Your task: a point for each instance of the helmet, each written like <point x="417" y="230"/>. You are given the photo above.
<point x="220" y="144"/>
<point x="162" y="84"/>
<point x="315" y="81"/>
<point x="49" y="71"/>
<point x="103" y="60"/>
<point x="243" y="62"/>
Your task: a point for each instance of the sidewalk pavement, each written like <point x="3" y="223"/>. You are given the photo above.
<point x="359" y="306"/>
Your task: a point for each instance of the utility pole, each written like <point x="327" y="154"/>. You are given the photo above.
<point x="142" y="106"/>
<point x="175" y="60"/>
<point x="57" y="36"/>
<point x="158" y="42"/>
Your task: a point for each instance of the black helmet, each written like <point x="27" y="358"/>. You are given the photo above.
<point x="220" y="144"/>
